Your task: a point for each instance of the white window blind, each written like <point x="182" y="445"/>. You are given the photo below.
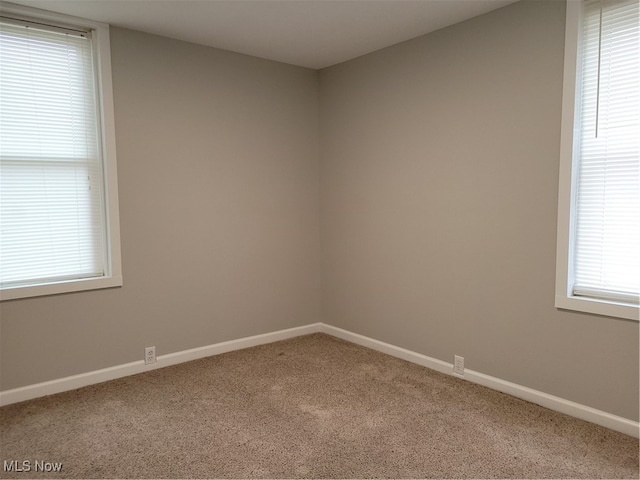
<point x="52" y="217"/>
<point x="607" y="203"/>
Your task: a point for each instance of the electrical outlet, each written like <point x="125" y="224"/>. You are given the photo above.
<point x="149" y="355"/>
<point x="458" y="365"/>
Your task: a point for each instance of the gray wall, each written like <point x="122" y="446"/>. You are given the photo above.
<point x="438" y="189"/>
<point x="440" y="180"/>
<point x="218" y="184"/>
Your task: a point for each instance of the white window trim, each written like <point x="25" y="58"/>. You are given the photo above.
<point x="564" y="297"/>
<point x="102" y="53"/>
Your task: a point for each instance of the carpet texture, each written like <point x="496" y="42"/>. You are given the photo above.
<point x="309" y="407"/>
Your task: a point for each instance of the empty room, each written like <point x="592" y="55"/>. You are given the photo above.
<point x="319" y="239"/>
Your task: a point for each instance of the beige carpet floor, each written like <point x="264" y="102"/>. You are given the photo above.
<point x="310" y="407"/>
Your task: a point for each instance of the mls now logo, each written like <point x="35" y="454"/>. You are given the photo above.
<point x="28" y="466"/>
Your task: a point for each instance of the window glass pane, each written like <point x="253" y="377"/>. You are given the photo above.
<point x="51" y="207"/>
<point x="607" y="249"/>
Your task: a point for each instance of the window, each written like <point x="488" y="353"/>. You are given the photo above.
<point x="598" y="261"/>
<point x="58" y="194"/>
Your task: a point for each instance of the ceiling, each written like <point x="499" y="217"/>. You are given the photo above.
<point x="309" y="33"/>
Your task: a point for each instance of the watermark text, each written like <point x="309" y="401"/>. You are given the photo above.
<point x="31" y="466"/>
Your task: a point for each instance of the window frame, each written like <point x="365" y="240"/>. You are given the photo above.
<point x="101" y="51"/>
<point x="564" y="298"/>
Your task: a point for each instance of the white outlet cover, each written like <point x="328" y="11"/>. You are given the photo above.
<point x="149" y="355"/>
<point x="458" y="365"/>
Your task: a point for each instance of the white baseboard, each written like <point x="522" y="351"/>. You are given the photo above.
<point x="90" y="378"/>
<point x="583" y="412"/>
<point x="558" y="404"/>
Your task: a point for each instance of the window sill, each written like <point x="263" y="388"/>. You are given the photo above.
<point x="599" y="307"/>
<point x="60" y="287"/>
